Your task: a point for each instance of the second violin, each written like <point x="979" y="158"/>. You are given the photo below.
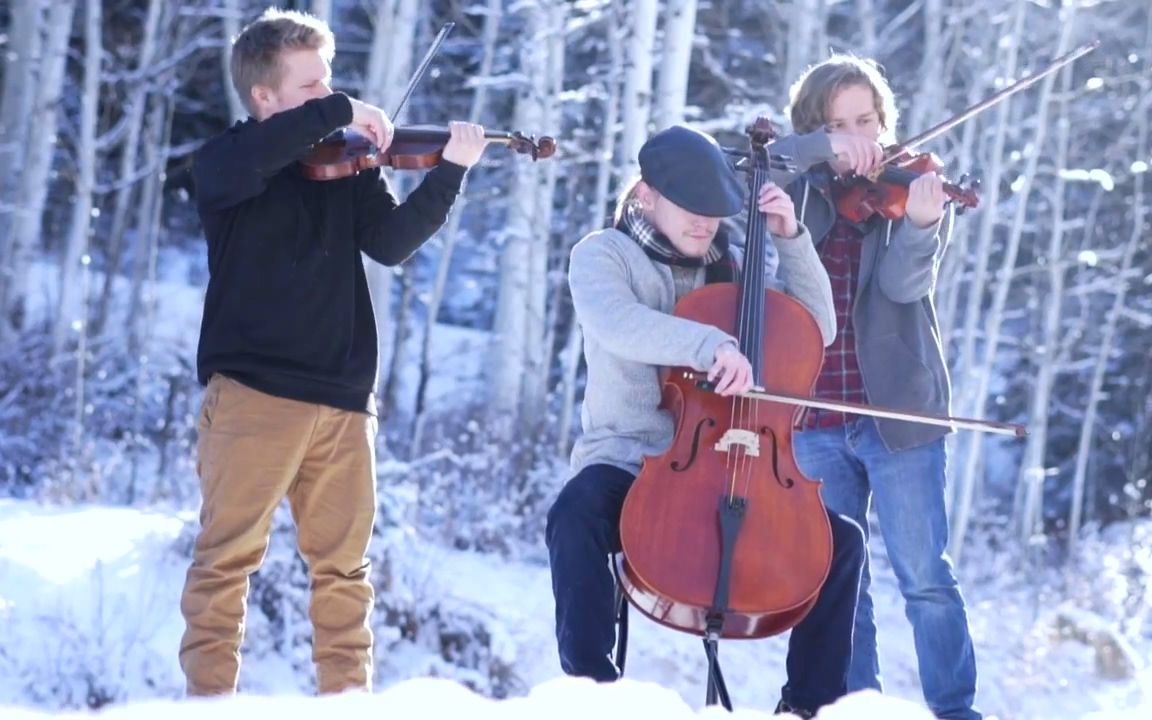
<point x="413" y="148"/>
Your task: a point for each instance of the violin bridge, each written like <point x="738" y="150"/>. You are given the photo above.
<point x="747" y="439"/>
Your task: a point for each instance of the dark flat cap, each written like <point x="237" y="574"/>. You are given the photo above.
<point x="689" y="168"/>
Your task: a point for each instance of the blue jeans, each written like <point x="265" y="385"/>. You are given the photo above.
<point x="907" y="488"/>
<point x="584" y="529"/>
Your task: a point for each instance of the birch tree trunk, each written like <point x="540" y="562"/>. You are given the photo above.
<point x="492" y="18"/>
<point x="147" y="233"/>
<point x="972" y="311"/>
<point x="389" y="64"/>
<point x="929" y="99"/>
<point x="322" y="9"/>
<point x="1027" y="512"/>
<point x="517" y="348"/>
<point x="231" y="17"/>
<point x="639" y="46"/>
<point x="16" y="103"/>
<point x="1136" y="242"/>
<point x="73" y="306"/>
<point x="805" y="36"/>
<point x="956" y="259"/>
<point x="129" y="156"/>
<point x="952" y="272"/>
<point x="994" y="320"/>
<point x="549" y="254"/>
<point x="574" y="344"/>
<point x="866" y="12"/>
<point x="379" y="54"/>
<point x="672" y="82"/>
<point x="965" y="374"/>
<point x="25" y="235"/>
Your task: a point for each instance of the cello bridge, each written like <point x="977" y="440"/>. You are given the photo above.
<point x="747" y="439"/>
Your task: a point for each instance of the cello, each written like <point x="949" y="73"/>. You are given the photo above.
<point x="723" y="536"/>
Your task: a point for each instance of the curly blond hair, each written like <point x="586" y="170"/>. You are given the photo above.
<point x="811" y="95"/>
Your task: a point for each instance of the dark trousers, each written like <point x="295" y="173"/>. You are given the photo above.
<point x="584" y="530"/>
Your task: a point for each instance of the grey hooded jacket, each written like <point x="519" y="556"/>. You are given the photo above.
<point x="897" y="334"/>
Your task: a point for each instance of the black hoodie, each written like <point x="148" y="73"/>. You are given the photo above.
<point x="287" y="310"/>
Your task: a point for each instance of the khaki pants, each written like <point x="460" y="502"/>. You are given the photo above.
<point x="254" y="450"/>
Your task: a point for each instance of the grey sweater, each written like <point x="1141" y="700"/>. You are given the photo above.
<point x="623" y="301"/>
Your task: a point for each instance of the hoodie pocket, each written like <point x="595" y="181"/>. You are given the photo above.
<point x="896" y="376"/>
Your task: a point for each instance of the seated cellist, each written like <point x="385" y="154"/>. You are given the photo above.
<point x="667" y="241"/>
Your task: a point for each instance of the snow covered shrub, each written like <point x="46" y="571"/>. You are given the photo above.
<point x="477" y="500"/>
<point x="87" y="648"/>
<point x="479" y="491"/>
<point x="120" y="433"/>
<point x="1109" y="597"/>
<point x="440" y="639"/>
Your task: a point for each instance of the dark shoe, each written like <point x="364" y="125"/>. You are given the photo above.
<point x="783" y="707"/>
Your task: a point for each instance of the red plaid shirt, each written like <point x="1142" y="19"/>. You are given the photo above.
<point x="840" y="378"/>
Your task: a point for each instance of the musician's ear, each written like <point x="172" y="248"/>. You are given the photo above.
<point x="262" y="101"/>
<point x="644" y="194"/>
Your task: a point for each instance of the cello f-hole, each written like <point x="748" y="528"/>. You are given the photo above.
<point x="676" y="465"/>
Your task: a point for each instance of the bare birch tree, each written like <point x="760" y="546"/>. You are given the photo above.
<point x="517" y="352"/>
<point x="322" y="9"/>
<point x="231" y="19"/>
<point x="73" y="305"/>
<point x="964" y="373"/>
<point x="389" y="63"/>
<point x="806" y="40"/>
<point x="672" y="81"/>
<point x="993" y="322"/>
<point x="33" y="188"/>
<point x="928" y="101"/>
<point x="636" y="104"/>
<point x="128" y="174"/>
<point x="492" y="16"/>
<point x="1137" y="240"/>
<point x="1027" y="513"/>
<point x="16" y="103"/>
<point x="606" y="167"/>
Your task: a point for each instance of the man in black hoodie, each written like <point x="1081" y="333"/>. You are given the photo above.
<point x="288" y="348"/>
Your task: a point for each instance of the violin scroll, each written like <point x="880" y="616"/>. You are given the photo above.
<point x="541" y="149"/>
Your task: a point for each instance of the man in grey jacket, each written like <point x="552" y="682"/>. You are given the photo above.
<point x="887" y="352"/>
<point x="625" y="282"/>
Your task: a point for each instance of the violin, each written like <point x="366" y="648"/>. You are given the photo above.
<point x="886" y="192"/>
<point x="858" y="197"/>
<point x="416" y="147"/>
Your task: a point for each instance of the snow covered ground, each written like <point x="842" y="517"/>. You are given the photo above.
<point x="89" y="614"/>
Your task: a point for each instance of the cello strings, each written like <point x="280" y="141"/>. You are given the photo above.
<point x="754" y="261"/>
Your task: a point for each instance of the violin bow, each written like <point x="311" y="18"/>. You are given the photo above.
<point x="1021" y="84"/>
<point x="416" y="76"/>
<point x="948" y="421"/>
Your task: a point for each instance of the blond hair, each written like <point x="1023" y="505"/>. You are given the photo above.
<point x="627" y="196"/>
<point x="812" y="94"/>
<point x="257" y="49"/>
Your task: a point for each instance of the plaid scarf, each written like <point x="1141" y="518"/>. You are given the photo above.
<point x="719" y="264"/>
